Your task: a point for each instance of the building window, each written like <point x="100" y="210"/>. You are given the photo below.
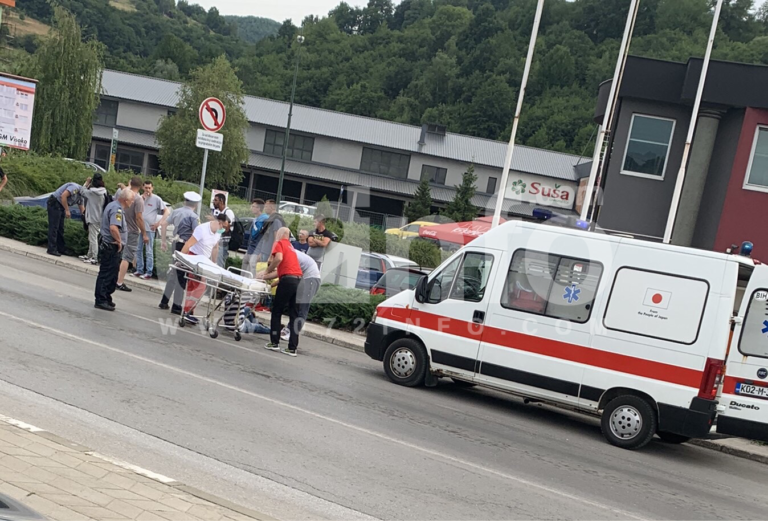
<point x="385" y="163"/>
<point x="299" y="147"/>
<point x="551" y="285"/>
<point x="106" y="113"/>
<point x="101" y="157"/>
<point x="153" y="165"/>
<point x="434" y="174"/>
<point x="648" y="146"/>
<point x="129" y="160"/>
<point x="757" y="171"/>
<point x="491" y="188"/>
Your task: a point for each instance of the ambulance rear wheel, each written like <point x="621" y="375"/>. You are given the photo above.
<point x="628" y="422"/>
<point x="668" y="437"/>
<point x="406" y="362"/>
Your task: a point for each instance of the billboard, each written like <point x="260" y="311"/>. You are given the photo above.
<point x="17" y="101"/>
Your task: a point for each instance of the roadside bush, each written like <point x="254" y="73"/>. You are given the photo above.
<point x="343" y="308"/>
<point x="30" y="225"/>
<point x="425" y="254"/>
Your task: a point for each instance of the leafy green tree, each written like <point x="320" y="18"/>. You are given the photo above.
<point x="347" y="18"/>
<point x="687" y="16"/>
<point x="324" y="208"/>
<point x="421" y="205"/>
<point x="461" y="209"/>
<point x="69" y="74"/>
<point x="558" y="67"/>
<point x="179" y="157"/>
<point x="174" y="49"/>
<point x="253" y="28"/>
<point x="165" y="69"/>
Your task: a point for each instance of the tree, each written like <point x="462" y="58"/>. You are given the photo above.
<point x="69" y="74"/>
<point x="461" y="208"/>
<point x="421" y="206"/>
<point x="174" y="49"/>
<point x="166" y="70"/>
<point x="324" y="208"/>
<point x="179" y="157"/>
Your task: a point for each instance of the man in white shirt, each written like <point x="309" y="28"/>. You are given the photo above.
<point x="204" y="242"/>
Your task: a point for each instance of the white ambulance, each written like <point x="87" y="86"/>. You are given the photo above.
<point x="656" y="339"/>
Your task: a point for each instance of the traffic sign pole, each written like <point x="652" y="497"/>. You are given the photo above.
<point x="202" y="183"/>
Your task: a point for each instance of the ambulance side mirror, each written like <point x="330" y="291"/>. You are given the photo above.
<point x="421" y="290"/>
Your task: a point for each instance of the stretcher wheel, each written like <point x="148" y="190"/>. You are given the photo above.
<point x="214" y="333"/>
<point x="238" y="336"/>
<point x="182" y="322"/>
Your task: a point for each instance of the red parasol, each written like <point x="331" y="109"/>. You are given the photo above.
<point x="458" y="233"/>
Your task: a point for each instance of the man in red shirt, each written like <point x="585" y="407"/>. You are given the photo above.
<point x="286" y="263"/>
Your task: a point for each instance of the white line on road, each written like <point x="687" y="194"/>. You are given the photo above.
<point x="431" y="452"/>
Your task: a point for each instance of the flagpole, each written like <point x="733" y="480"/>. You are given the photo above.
<point x="605" y="127"/>
<point x="511" y="146"/>
<point x="691" y="128"/>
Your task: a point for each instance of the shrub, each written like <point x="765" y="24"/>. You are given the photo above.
<point x="30" y="225"/>
<point x="343" y="308"/>
<point x="425" y="253"/>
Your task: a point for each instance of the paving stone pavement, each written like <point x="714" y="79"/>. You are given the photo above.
<point x="64" y="481"/>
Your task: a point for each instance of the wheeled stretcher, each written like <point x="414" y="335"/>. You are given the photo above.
<point x="225" y="288"/>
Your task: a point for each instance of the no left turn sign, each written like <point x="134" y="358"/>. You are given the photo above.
<point x="212" y="114"/>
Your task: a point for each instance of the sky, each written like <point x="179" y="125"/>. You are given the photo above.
<point x="277" y="10"/>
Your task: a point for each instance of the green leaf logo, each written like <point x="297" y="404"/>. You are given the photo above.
<point x="518" y="187"/>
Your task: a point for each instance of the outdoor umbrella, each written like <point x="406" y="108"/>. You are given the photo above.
<point x="458" y="233"/>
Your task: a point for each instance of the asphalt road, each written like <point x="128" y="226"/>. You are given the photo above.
<point x="324" y="435"/>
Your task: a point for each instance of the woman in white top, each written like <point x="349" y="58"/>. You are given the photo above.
<point x="205" y="239"/>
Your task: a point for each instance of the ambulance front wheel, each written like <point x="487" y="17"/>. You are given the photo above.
<point x="406" y="362"/>
<point x="628" y="422"/>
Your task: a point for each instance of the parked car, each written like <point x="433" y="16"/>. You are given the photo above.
<point x="411" y="230"/>
<point x="93" y="166"/>
<point x="374" y="265"/>
<point x="304" y="210"/>
<point x="42" y="201"/>
<point x="398" y="279"/>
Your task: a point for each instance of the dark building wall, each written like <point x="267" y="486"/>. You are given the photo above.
<point x="718" y="178"/>
<point x="745" y="212"/>
<point x="639" y="205"/>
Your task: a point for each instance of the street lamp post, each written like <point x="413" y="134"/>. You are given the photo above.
<point x="300" y="40"/>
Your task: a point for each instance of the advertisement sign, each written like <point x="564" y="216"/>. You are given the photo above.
<point x="543" y="191"/>
<point x="17" y="102"/>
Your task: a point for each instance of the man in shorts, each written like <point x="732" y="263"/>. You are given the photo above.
<point x="137" y="231"/>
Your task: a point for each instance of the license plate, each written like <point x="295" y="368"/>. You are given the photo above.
<point x="752" y="390"/>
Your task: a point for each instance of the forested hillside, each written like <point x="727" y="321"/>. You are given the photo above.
<point x="454" y="62"/>
<point x="253" y="28"/>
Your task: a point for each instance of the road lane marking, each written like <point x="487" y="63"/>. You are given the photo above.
<point x="363" y="430"/>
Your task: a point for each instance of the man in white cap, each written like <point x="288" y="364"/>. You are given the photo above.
<point x="184" y="221"/>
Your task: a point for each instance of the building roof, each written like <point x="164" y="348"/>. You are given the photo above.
<point x="359" y="129"/>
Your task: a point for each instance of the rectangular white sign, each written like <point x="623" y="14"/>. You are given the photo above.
<point x="17" y="101"/>
<point x="541" y="191"/>
<point x="210" y="140"/>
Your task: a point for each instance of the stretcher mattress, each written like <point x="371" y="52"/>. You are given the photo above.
<point x="208" y="269"/>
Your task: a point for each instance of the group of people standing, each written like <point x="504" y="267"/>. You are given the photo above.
<point x="122" y="231"/>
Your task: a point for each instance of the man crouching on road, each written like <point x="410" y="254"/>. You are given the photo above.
<point x="285" y="262"/>
<point x="114" y="233"/>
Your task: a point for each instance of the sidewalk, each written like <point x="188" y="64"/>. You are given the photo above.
<point x="316" y="331"/>
<point x="738" y="447"/>
<point x="66" y="482"/>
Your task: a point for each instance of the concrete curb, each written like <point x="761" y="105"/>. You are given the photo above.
<point x="192" y="491"/>
<point x="733" y="451"/>
<point x="315" y="331"/>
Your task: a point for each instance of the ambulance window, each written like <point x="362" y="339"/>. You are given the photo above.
<point x="656" y="305"/>
<point x="440" y="285"/>
<point x="551" y="285"/>
<point x="754" y="331"/>
<point x="472" y="278"/>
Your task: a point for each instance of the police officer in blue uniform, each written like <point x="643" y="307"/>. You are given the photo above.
<point x="114" y="234"/>
<point x="184" y="221"/>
